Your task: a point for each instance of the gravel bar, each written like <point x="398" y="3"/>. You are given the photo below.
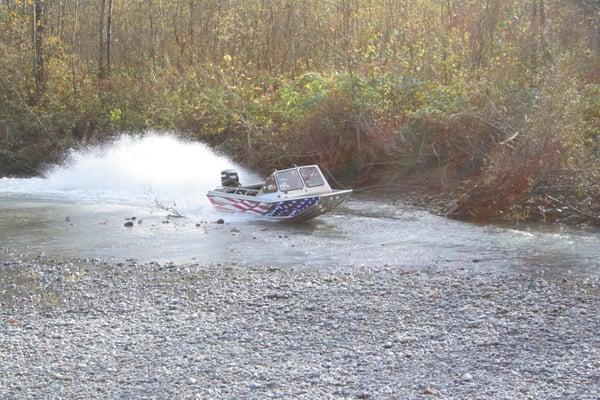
<point x="86" y="329"/>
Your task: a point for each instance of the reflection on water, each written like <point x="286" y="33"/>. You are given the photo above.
<point x="360" y="233"/>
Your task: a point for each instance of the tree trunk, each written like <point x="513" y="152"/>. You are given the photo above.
<point x="595" y="40"/>
<point x="534" y="25"/>
<point x="152" y="38"/>
<point x="73" y="47"/>
<point x="191" y="39"/>
<point x="104" y="51"/>
<point x="61" y="20"/>
<point x="347" y="33"/>
<point x="109" y="37"/>
<point x="543" y="28"/>
<point x="39" y="66"/>
<point x="101" y="50"/>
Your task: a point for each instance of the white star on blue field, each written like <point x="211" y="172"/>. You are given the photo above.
<point x="292" y="208"/>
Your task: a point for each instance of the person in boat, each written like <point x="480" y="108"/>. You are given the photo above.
<point x="270" y="186"/>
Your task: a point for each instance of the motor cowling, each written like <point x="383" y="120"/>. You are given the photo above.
<point x="230" y="178"/>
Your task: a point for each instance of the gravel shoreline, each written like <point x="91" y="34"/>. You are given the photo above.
<point x="85" y="330"/>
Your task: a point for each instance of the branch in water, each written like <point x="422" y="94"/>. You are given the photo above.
<point x="172" y="210"/>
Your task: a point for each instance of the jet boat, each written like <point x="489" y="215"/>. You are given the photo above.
<point x="291" y="195"/>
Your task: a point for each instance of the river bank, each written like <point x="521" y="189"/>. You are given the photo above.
<point x="429" y="189"/>
<point x="84" y="329"/>
<point x="537" y="209"/>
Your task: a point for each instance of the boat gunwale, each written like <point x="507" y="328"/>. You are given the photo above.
<point x="334" y="192"/>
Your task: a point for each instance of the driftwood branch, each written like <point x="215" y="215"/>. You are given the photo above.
<point x="578" y="211"/>
<point x="485" y="121"/>
<point x="172" y="210"/>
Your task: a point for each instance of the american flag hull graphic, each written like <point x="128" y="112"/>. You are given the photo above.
<point x="292" y="208"/>
<point x="285" y="210"/>
<point x="240" y="205"/>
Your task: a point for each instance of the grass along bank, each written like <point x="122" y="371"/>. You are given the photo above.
<point x="490" y="150"/>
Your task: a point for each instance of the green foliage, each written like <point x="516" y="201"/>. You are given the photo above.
<point x="473" y="88"/>
<point x="301" y="94"/>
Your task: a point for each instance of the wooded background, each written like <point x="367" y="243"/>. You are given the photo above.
<point x="497" y="101"/>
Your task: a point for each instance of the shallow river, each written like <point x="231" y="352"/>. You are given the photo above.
<point x="79" y="210"/>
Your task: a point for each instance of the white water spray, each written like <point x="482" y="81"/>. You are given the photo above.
<point x="133" y="169"/>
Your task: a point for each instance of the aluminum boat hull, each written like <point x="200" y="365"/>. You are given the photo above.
<point x="292" y="209"/>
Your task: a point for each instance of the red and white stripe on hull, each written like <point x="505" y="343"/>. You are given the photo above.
<point x="237" y="205"/>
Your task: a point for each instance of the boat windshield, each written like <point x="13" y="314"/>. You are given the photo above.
<point x="288" y="180"/>
<point x="312" y="176"/>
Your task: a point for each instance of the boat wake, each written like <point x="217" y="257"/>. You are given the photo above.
<point x="134" y="169"/>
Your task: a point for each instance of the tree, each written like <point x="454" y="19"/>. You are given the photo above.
<point x="104" y="50"/>
<point x="39" y="65"/>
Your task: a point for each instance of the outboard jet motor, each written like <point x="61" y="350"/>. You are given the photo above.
<point x="230" y="178"/>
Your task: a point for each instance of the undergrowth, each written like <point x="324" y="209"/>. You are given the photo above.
<point x="494" y="146"/>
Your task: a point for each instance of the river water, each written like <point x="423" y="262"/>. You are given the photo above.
<point x="78" y="210"/>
